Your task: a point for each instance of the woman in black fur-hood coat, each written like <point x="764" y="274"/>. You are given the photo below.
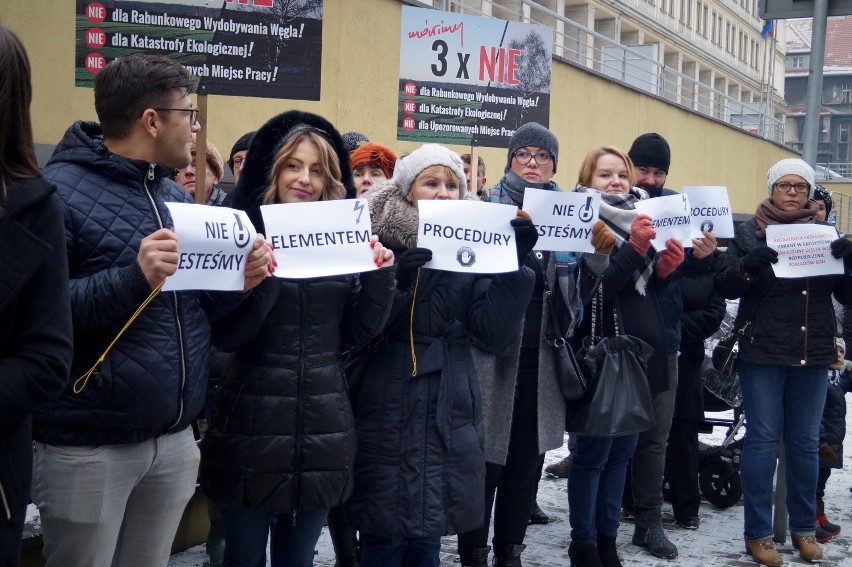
<point x="283" y="444"/>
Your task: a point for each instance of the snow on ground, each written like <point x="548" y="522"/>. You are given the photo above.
<point x="718" y="541"/>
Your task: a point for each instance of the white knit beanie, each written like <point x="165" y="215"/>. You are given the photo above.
<point x="839" y="342"/>
<point x="791" y="166"/>
<point x="409" y="167"/>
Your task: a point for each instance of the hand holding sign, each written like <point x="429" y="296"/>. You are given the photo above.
<point x="602" y="238"/>
<point x="642" y="233"/>
<point x="383" y="257"/>
<point x="803" y="250"/>
<point x="158" y="256"/>
<point x="703" y="247"/>
<point x="842" y="248"/>
<point x="564" y="221"/>
<point x="526" y="236"/>
<point x="669" y="259"/>
<point x="671" y="218"/>
<point x="259" y="263"/>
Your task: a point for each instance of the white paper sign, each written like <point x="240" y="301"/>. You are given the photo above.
<point x="711" y="211"/>
<point x="671" y="217"/>
<point x="214" y="243"/>
<point x="468" y="236"/>
<point x="803" y="250"/>
<point x="318" y="239"/>
<point x="564" y="220"/>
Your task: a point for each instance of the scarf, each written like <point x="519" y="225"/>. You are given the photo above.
<point x="618" y="212"/>
<point x="767" y="213"/>
<point x="510" y="191"/>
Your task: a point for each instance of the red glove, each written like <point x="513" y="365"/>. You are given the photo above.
<point x="641" y="233"/>
<point x="669" y="259"/>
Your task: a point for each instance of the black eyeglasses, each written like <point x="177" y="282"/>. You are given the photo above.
<point x="524" y="157"/>
<point x="193" y="113"/>
<point x="799" y="187"/>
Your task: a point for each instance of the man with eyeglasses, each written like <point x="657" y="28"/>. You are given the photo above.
<point x="115" y="461"/>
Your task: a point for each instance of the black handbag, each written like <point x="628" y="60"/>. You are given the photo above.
<point x="570" y="376"/>
<point x="619" y="399"/>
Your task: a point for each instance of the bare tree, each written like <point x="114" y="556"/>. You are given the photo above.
<point x="533" y="67"/>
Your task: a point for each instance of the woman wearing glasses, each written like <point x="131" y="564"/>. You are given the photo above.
<point x="283" y="445"/>
<point x="787" y="345"/>
<point x="522" y="404"/>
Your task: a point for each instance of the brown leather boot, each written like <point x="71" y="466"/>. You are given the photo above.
<point x="808" y="548"/>
<point x="763" y="551"/>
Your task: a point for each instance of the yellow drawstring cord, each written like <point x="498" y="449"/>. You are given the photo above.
<point x="411" y="325"/>
<point x="82" y="381"/>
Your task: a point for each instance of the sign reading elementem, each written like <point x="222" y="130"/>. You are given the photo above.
<point x="471" y="80"/>
<point x="259" y="48"/>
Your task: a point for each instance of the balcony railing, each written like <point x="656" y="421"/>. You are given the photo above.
<point x="631" y="65"/>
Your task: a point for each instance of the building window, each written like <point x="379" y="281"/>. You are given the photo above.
<point x="686" y="12"/>
<point x="843" y="132"/>
<point x="797" y="62"/>
<point x="846" y="92"/>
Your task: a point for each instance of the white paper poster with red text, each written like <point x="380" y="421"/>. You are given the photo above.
<point x="804" y="250"/>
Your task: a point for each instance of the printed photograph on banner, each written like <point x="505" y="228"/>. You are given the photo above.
<point x="214" y="244"/>
<point x="258" y="48"/>
<point x="804" y="250"/>
<point x="470" y="80"/>
<point x="564" y="219"/>
<point x="468" y="236"/>
<point x="711" y="210"/>
<point x="671" y="217"/>
<point x="323" y="238"/>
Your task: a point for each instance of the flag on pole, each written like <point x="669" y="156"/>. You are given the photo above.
<point x="768" y="29"/>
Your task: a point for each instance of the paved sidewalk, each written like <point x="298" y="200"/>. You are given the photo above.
<point x="718" y="541"/>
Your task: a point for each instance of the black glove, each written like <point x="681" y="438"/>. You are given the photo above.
<point x="526" y="235"/>
<point x="758" y="258"/>
<point x="407" y="263"/>
<point x="842" y="248"/>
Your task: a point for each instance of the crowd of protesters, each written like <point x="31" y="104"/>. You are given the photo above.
<point x="456" y="401"/>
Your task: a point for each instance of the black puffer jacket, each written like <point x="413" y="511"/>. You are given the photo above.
<point x="791" y="319"/>
<point x="832" y="427"/>
<point x="35" y="327"/>
<point x="153" y="381"/>
<point x="420" y="469"/>
<point x="283" y="438"/>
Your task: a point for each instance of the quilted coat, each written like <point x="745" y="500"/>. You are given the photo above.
<point x="153" y="381"/>
<point x="420" y="467"/>
<point x="283" y="438"/>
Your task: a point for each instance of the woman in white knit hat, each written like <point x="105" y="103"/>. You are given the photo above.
<point x="420" y="467"/>
<point x="787" y="345"/>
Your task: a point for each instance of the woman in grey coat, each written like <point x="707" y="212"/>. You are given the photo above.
<point x="523" y="385"/>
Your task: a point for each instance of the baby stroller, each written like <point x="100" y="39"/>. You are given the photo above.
<point x="719" y="465"/>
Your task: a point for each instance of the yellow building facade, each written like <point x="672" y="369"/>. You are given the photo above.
<point x="360" y="72"/>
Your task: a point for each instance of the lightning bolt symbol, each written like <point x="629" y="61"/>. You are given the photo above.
<point x="684" y="202"/>
<point x="359" y="208"/>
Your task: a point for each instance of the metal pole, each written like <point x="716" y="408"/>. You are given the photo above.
<point x="814" y="93"/>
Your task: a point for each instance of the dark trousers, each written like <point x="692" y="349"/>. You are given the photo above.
<point x="11" y="533"/>
<point x="511" y="488"/>
<point x="380" y="551"/>
<point x="822" y="479"/>
<point x="682" y="468"/>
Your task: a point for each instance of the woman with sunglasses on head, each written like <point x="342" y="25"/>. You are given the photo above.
<point x="522" y="401"/>
<point x="788" y="342"/>
<point x="282" y="448"/>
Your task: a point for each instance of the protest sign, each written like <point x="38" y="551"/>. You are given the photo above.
<point x="671" y="217"/>
<point x="323" y="238"/>
<point x="468" y="236"/>
<point x="564" y="220"/>
<point x="214" y="243"/>
<point x="471" y="80"/>
<point x="711" y="211"/>
<point x="803" y="250"/>
<point x="259" y="48"/>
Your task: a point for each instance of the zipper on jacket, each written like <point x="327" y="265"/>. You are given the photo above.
<point x="175" y="303"/>
<point x="303" y="341"/>
<point x="6" y="509"/>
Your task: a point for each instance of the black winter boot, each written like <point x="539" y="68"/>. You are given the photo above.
<point x="477" y="557"/>
<point x="823" y="521"/>
<point x="608" y="552"/>
<point x="584" y="555"/>
<point x="508" y="555"/>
